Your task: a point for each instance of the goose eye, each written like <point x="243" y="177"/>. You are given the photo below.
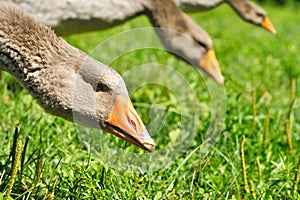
<point x="101" y="87"/>
<point x="202" y="44"/>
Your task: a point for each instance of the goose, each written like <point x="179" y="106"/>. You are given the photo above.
<point x="67" y="17"/>
<point x="247" y="10"/>
<point x="182" y="36"/>
<point x="65" y="81"/>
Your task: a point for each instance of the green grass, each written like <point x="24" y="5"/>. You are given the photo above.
<point x="258" y="68"/>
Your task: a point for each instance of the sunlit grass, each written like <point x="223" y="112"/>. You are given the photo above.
<point x="253" y="62"/>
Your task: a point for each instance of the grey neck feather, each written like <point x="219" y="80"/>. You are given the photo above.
<point x="28" y="48"/>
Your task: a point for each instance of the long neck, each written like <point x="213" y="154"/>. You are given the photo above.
<point x="35" y="56"/>
<point x="240" y="6"/>
<point x="163" y="13"/>
<point x="23" y="43"/>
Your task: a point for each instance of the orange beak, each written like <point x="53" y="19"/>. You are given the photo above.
<point x="268" y="25"/>
<point x="210" y="65"/>
<point x="125" y="123"/>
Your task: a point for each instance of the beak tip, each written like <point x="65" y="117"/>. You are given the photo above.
<point x="273" y="31"/>
<point x="219" y="79"/>
<point x="150" y="147"/>
<point x="148" y="143"/>
<point x="267" y="24"/>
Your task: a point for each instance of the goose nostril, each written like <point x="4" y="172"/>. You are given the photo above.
<point x="133" y="124"/>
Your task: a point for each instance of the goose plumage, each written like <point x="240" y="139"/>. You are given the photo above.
<point x="65" y="81"/>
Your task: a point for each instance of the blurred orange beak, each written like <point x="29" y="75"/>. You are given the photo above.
<point x="210" y="65"/>
<point x="125" y="123"/>
<point x="268" y="25"/>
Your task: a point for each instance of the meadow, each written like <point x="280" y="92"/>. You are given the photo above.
<point x="255" y="156"/>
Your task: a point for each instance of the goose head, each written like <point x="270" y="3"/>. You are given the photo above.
<point x="65" y="81"/>
<point x="252" y="13"/>
<point x="100" y="99"/>
<point x="183" y="37"/>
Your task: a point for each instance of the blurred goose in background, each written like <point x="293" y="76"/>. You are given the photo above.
<point x="187" y="40"/>
<point x="183" y="37"/>
<point x="65" y="81"/>
<point x="247" y="10"/>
